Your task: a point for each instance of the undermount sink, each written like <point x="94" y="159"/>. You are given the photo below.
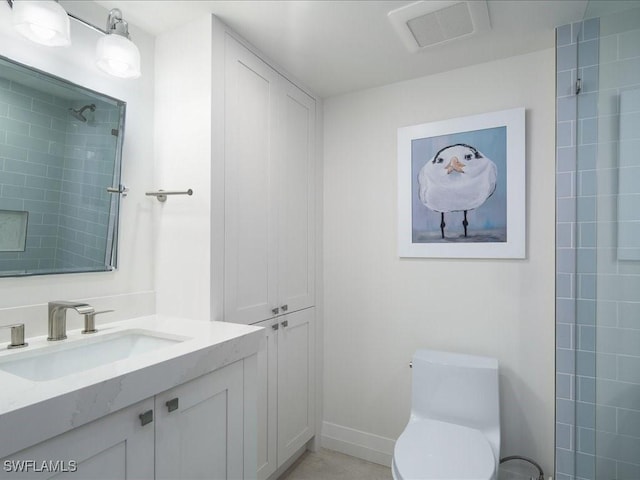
<point x="59" y="360"/>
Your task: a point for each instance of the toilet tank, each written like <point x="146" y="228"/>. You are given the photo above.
<point x="457" y="388"/>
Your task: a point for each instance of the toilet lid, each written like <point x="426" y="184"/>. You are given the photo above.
<point x="429" y="449"/>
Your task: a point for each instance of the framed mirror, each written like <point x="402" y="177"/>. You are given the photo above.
<point x="60" y="162"/>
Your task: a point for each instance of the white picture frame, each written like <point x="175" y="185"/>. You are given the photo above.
<point x="478" y="178"/>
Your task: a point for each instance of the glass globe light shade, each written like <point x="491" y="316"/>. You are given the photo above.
<point x="118" y="56"/>
<point x="42" y="21"/>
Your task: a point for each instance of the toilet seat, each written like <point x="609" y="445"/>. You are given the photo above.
<point x="430" y="449"/>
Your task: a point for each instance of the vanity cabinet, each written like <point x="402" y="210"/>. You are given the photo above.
<point x="286" y="389"/>
<point x="269" y="221"/>
<point x="193" y="431"/>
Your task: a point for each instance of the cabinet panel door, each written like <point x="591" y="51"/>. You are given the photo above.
<point x="267" y="401"/>
<point x="296" y="382"/>
<point x="251" y="89"/>
<point x="115" y="446"/>
<point x="296" y="236"/>
<point x="202" y="436"/>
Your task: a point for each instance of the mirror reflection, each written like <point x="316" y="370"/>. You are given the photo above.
<point x="60" y="151"/>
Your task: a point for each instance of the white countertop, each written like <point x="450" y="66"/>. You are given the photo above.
<point x="32" y="411"/>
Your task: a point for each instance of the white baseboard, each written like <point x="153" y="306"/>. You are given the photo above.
<point x="356" y="443"/>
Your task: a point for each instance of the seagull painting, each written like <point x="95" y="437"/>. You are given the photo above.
<point x="458" y="178"/>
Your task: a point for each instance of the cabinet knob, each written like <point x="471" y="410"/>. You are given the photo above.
<point x="172" y="404"/>
<point x="284" y="308"/>
<point x="275" y="326"/>
<point x="275" y="311"/>
<point x="146" y="417"/>
<point x="285" y="323"/>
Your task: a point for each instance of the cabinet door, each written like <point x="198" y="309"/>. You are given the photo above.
<point x="199" y="427"/>
<point x="296" y="235"/>
<point x="251" y="91"/>
<point x="115" y="446"/>
<point x="296" y="382"/>
<point x="267" y="400"/>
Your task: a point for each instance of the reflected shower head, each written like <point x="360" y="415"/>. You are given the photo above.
<point x="79" y="113"/>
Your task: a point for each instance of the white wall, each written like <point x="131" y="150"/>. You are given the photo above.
<point x="183" y="161"/>
<point x="379" y="308"/>
<point x="130" y="288"/>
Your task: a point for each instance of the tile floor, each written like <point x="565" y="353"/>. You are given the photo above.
<point x="329" y="465"/>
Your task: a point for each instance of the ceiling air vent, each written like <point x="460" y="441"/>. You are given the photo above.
<point x="427" y="23"/>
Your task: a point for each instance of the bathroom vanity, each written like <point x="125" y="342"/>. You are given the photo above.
<point x="153" y="397"/>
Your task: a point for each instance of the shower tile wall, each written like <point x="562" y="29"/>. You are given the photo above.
<point x="598" y="293"/>
<point x="32" y="130"/>
<point x="55" y="167"/>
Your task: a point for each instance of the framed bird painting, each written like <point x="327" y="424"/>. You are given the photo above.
<point x="461" y="187"/>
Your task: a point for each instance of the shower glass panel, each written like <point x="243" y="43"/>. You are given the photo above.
<point x="607" y="330"/>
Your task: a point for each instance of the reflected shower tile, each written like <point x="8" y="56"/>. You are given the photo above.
<point x="564" y="335"/>
<point x="585" y="466"/>
<point x="586" y="312"/>
<point x="591" y="29"/>
<point x="587" y="105"/>
<point x="564" y="464"/>
<point x="587" y="156"/>
<point x="588" y="131"/>
<point x="564" y="235"/>
<point x="629" y="371"/>
<point x="563" y="386"/>
<point x="566" y="108"/>
<point x="590" y="79"/>
<point x="564" y="83"/>
<point x="564" y="134"/>
<point x="586" y="441"/>
<point x="565" y="311"/>
<point x="564" y="184"/>
<point x="588" y="53"/>
<point x="587" y="184"/>
<point x="628" y="44"/>
<point x="586" y="390"/>
<point x="627" y="470"/>
<point x="629" y="315"/>
<point x="565" y="411"/>
<point x="565" y="260"/>
<point x="563" y="436"/>
<point x="606" y="468"/>
<point x="564" y="285"/>
<point x="587" y="284"/>
<point x="587" y="235"/>
<point x="567" y="57"/>
<point x="566" y="157"/>
<point x="585" y="365"/>
<point x="563" y="35"/>
<point x="587" y="338"/>
<point x="586" y="260"/>
<point x="565" y="361"/>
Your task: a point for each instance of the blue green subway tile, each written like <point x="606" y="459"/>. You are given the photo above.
<point x="586" y="157"/>
<point x="591" y="29"/>
<point x="587" y="338"/>
<point x="564" y="134"/>
<point x="40" y="206"/>
<point x="566" y="210"/>
<point x="587" y="286"/>
<point x="629" y="370"/>
<point x="26" y="142"/>
<point x="585" y="363"/>
<point x="45" y="158"/>
<point x="627" y="471"/>
<point x="564" y="285"/>
<point x="30" y="92"/>
<point x="564" y="184"/>
<point x="629" y="315"/>
<point x="629" y="126"/>
<point x="15" y="179"/>
<point x="567" y="57"/>
<point x="628" y="44"/>
<point x="589" y="79"/>
<point x="563" y="386"/>
<point x="14" y="126"/>
<point x="585" y="466"/>
<point x="54" y="172"/>
<point x="576" y="32"/>
<point x="564" y="235"/>
<point x="13" y="152"/>
<point x="5" y="83"/>
<point x="50" y="109"/>
<point x="586" y="312"/>
<point x="566" y="159"/>
<point x="587" y="105"/>
<point x="588" y="51"/>
<point x="11" y="204"/>
<point x="618" y="394"/>
<point x="586" y="387"/>
<point x="565" y="464"/>
<point x="26" y="193"/>
<point x="565" y="83"/>
<point x="565" y="310"/>
<point x="586" y="259"/>
<point x="618" y="447"/>
<point x="20" y="166"/>
<point x="27" y="116"/>
<point x="566" y="108"/>
<point x="564" y="335"/>
<point x="585" y="414"/>
<point x="563" y="35"/>
<point x="564" y="436"/>
<point x="44" y="133"/>
<point x="565" y="260"/>
<point x="587" y="183"/>
<point x="586" y="440"/>
<point x="15" y="99"/>
<point x="44" y="183"/>
<point x="628" y="72"/>
<point x="606" y="418"/>
<point x="565" y="411"/>
<point x="588" y="131"/>
<point x="628" y="422"/>
<point x="565" y="361"/>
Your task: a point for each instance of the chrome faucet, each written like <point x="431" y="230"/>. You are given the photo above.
<point x="58" y="317"/>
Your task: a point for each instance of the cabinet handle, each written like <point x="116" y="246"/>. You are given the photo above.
<point x="146" y="417"/>
<point x="285" y="323"/>
<point x="172" y="404"/>
<point x="275" y="311"/>
<point x="284" y="308"/>
<point x="275" y="326"/>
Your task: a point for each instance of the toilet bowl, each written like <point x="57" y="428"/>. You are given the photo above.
<point x="454" y="427"/>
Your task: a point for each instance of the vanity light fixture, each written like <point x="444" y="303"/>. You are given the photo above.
<point x="46" y="22"/>
<point x="43" y="22"/>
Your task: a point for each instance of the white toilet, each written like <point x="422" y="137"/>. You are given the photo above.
<point x="454" y="428"/>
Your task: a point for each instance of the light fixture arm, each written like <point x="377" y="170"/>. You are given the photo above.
<point x="116" y="24"/>
<point x="84" y="22"/>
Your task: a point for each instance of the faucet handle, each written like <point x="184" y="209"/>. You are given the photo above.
<point x="90" y="321"/>
<point x="17" y="335"/>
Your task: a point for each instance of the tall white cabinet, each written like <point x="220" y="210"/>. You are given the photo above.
<point x="252" y="150"/>
<point x="269" y="190"/>
<point x="269" y="254"/>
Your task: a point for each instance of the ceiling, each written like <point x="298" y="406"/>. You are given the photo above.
<point x="334" y="47"/>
